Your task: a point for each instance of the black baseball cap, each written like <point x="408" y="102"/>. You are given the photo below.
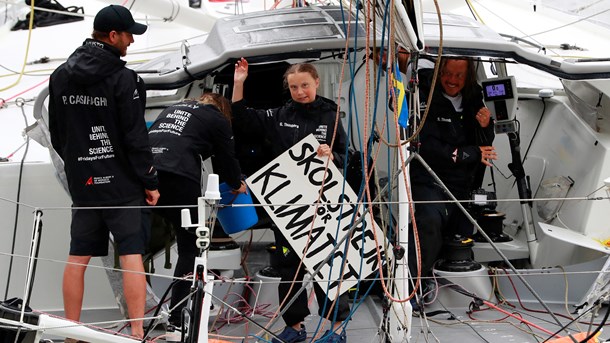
<point x="117" y="18"/>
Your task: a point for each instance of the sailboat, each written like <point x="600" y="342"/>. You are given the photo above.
<point x="548" y="250"/>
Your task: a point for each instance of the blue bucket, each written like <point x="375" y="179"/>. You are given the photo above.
<point x="235" y="219"/>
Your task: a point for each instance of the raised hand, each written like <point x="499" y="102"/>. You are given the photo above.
<point x="241" y="71"/>
<point x="241" y="74"/>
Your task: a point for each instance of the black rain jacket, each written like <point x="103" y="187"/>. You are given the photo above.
<point x="96" y="121"/>
<point x="446" y="130"/>
<point x="287" y="125"/>
<point x="187" y="133"/>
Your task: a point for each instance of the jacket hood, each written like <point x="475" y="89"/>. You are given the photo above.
<point x="318" y="105"/>
<point x="93" y="61"/>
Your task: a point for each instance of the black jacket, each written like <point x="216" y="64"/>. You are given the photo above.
<point x="187" y="133"/>
<point x="446" y="130"/>
<point x="287" y="125"/>
<point x="96" y="120"/>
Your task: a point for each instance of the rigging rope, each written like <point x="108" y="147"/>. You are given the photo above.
<point x="27" y="50"/>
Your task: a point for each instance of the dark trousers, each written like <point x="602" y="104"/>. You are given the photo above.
<point x="286" y="262"/>
<point x="178" y="190"/>
<point x="435" y="221"/>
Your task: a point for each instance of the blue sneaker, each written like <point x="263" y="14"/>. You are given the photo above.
<point x="333" y="337"/>
<point x="415" y="305"/>
<point x="290" y="335"/>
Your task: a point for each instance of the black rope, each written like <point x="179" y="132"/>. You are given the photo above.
<point x="17" y="206"/>
<point x="158" y="309"/>
<point x="536" y="130"/>
<point x="599" y="327"/>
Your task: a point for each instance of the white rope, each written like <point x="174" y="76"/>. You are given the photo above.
<point x="54" y="208"/>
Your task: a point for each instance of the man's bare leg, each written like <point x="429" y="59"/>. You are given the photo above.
<point x="134" y="286"/>
<point x="74" y="285"/>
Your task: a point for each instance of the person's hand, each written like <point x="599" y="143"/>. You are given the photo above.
<point x="324" y="150"/>
<point x="241" y="71"/>
<point x="488" y="153"/>
<point x="152" y="197"/>
<point x="484" y="117"/>
<point x="243" y="188"/>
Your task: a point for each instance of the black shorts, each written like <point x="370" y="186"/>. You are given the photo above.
<point x="130" y="228"/>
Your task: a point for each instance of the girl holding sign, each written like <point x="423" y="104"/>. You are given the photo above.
<point x="306" y="113"/>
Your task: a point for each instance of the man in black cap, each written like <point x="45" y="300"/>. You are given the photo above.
<point x="96" y="120"/>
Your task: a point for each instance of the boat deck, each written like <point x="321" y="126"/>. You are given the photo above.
<point x="449" y="318"/>
<point x="438" y="325"/>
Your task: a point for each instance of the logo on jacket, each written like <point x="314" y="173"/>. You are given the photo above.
<point x="136" y="95"/>
<point x="99" y="180"/>
<point x="95" y="44"/>
<point x="79" y="99"/>
<point x="284" y="124"/>
<point x="320" y="133"/>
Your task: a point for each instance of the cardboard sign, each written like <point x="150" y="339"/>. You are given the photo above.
<point x="290" y="185"/>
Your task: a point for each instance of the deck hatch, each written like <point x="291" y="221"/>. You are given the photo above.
<point x="280" y="24"/>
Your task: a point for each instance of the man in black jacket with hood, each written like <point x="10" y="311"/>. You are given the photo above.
<point x="96" y="120"/>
